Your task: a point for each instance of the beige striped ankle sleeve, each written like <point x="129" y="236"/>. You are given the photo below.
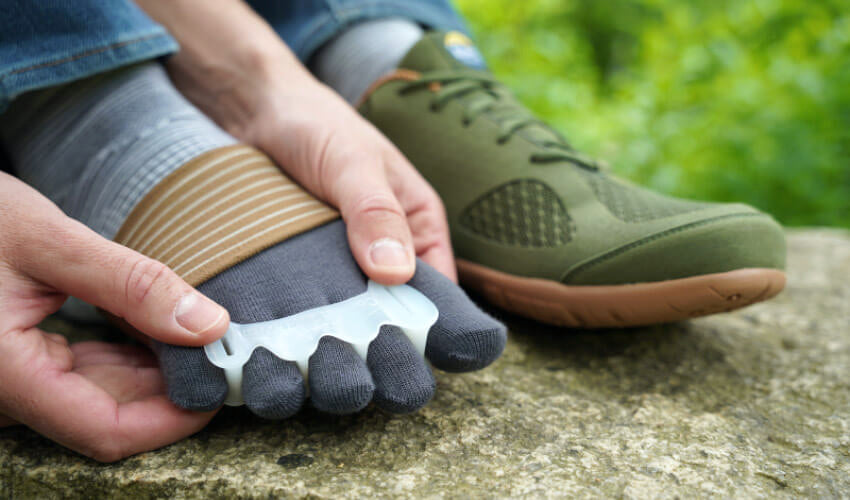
<point x="219" y="209"/>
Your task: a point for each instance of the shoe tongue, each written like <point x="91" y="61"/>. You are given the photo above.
<point x="439" y="50"/>
<point x="452" y="50"/>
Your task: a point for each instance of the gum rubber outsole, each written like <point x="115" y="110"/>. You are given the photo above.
<point x="611" y="306"/>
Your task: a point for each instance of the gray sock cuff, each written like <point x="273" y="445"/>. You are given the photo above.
<point x="97" y="146"/>
<point x="363" y="53"/>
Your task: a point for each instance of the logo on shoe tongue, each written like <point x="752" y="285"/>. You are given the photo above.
<point x="461" y="48"/>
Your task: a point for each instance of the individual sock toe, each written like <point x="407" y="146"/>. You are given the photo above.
<point x="193" y="382"/>
<point x="271" y="387"/>
<point x="403" y="382"/>
<point x="340" y="382"/>
<point x="464" y="338"/>
<point x="466" y="349"/>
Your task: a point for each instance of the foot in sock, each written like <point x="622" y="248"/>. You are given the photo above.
<point x="112" y="147"/>
<point x="537" y="227"/>
<point x="314" y="269"/>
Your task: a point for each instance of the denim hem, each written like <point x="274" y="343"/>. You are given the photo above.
<point x="327" y="25"/>
<point x="84" y="64"/>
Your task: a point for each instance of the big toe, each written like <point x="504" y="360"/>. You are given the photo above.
<point x="193" y="382"/>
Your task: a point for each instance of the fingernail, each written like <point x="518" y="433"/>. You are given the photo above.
<point x="197" y="313"/>
<point x="387" y="252"/>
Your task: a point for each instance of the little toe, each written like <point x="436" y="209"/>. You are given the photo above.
<point x="193" y="382"/>
<point x="271" y="387"/>
<point x="464" y="338"/>
<point x="457" y="350"/>
<point x="340" y="382"/>
<point x="403" y="382"/>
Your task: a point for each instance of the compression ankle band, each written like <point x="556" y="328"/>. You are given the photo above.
<point x="217" y="210"/>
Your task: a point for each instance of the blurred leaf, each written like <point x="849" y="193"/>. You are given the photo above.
<point x="731" y="100"/>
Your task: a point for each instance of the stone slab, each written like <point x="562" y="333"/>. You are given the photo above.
<point x="754" y="403"/>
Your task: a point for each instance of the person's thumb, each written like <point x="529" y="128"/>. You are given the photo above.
<point x="145" y="293"/>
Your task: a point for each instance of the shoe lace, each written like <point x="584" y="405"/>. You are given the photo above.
<point x="485" y="95"/>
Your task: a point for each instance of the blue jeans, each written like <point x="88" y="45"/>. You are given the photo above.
<point x="49" y="42"/>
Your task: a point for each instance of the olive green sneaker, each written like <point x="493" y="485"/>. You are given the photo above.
<point x="544" y="231"/>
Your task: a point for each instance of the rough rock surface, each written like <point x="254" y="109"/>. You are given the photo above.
<point x="753" y="403"/>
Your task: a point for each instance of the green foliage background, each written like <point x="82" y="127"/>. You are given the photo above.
<point x="731" y="100"/>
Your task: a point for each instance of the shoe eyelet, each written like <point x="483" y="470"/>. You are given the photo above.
<point x="466" y="123"/>
<point x="501" y="141"/>
<point x="434" y="108"/>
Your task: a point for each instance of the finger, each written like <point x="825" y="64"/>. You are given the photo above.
<point x="431" y="237"/>
<point x="101" y="353"/>
<point x="88" y="347"/>
<point x="55" y="337"/>
<point x="426" y="215"/>
<point x="153" y="423"/>
<point x="378" y="233"/>
<point x="148" y="295"/>
<point x="72" y="410"/>
<point x="125" y="383"/>
<point x="442" y="260"/>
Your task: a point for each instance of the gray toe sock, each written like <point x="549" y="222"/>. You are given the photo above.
<point x="403" y="381"/>
<point x="464" y="338"/>
<point x="272" y="388"/>
<point x="314" y="269"/>
<point x="193" y="382"/>
<point x="339" y="380"/>
<point x="310" y="270"/>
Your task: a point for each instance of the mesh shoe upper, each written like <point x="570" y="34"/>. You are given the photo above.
<point x="524" y="213"/>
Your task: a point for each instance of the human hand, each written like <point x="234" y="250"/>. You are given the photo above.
<point x="257" y="90"/>
<point x="321" y="141"/>
<point x="105" y="401"/>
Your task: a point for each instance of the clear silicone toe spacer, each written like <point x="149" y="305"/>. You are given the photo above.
<point x="357" y="320"/>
